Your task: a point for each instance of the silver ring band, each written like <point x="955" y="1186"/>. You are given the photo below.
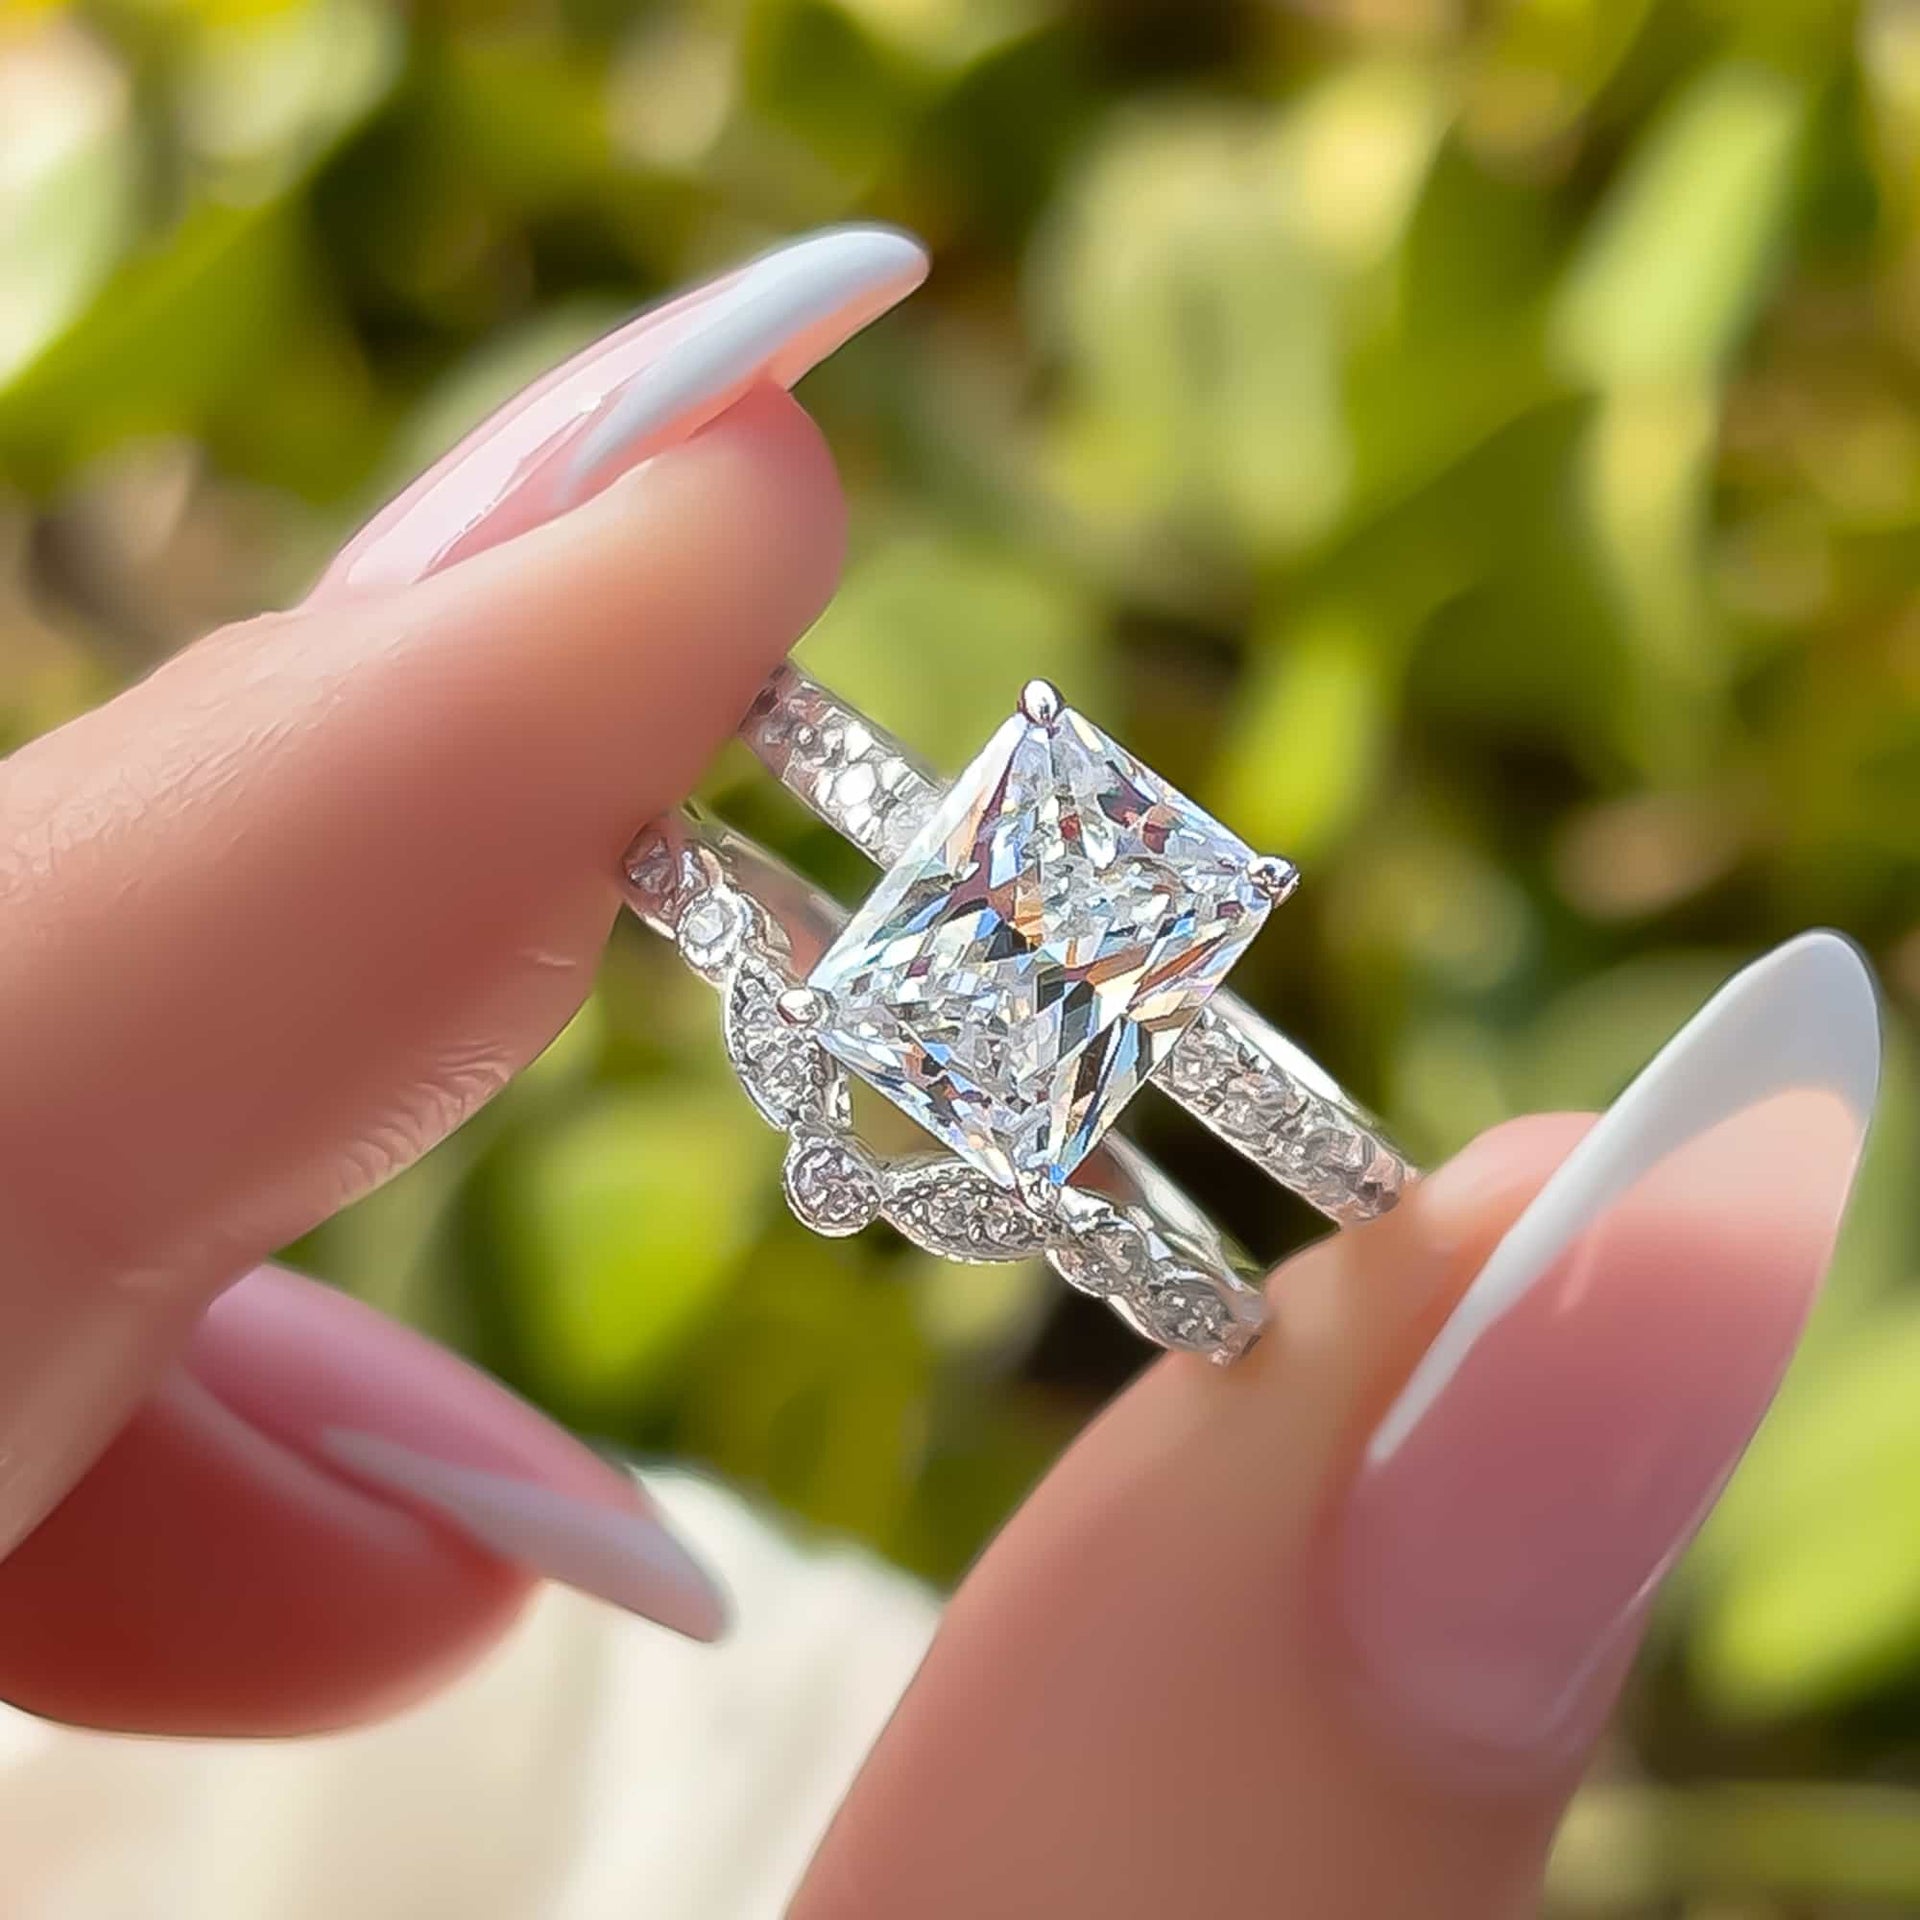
<point x="1231" y="1070"/>
<point x="1119" y="1230"/>
<point x="752" y="928"/>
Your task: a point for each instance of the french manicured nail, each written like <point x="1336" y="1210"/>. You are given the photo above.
<point x="399" y="1416"/>
<point x="618" y="1554"/>
<point x="653" y="382"/>
<point x="1578" y="1413"/>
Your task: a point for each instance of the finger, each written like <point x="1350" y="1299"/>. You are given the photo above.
<point x="317" y="1517"/>
<point x="1332" y="1635"/>
<point x="280" y="917"/>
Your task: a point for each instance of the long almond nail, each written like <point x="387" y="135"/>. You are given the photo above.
<point x="617" y="1554"/>
<point x="401" y="1417"/>
<point x="1578" y="1413"/>
<point x="658" y="379"/>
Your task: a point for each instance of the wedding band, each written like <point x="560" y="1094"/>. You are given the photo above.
<point x="1049" y="933"/>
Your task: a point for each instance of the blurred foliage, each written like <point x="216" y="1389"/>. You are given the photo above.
<point x="1472" y="446"/>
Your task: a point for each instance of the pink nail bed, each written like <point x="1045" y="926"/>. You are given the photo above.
<point x="1561" y="1440"/>
<point x="653" y="382"/>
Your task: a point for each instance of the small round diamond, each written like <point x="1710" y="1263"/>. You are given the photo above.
<point x="711" y="929"/>
<point x="950" y="1208"/>
<point x="1108" y="1255"/>
<point x="785" y="1070"/>
<point x="1185" y="1312"/>
<point x="831" y="1186"/>
<point x="785" y="1074"/>
<point x="652" y="869"/>
<point x="1198" y="1061"/>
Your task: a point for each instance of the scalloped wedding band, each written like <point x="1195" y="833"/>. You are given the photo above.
<point x="1050" y="932"/>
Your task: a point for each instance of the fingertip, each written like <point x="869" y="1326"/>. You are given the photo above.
<point x="321" y="1517"/>
<point x="202" y="1579"/>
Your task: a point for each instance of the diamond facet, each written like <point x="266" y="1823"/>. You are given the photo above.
<point x="1038" y="948"/>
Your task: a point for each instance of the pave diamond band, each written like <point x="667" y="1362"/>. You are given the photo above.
<point x="1049" y="933"/>
<point x="1230" y="1069"/>
<point x="752" y="929"/>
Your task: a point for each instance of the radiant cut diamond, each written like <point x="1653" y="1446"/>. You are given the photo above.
<point x="1038" y="948"/>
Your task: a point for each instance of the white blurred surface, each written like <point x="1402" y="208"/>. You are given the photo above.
<point x="595" y="1766"/>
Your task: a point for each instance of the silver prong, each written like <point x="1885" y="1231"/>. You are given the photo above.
<point x="800" y="1007"/>
<point x="1274" y="876"/>
<point x="1041" y="703"/>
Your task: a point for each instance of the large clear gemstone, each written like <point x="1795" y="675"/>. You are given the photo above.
<point x="1038" y="948"/>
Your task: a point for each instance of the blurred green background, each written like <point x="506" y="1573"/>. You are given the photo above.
<point x="1471" y="447"/>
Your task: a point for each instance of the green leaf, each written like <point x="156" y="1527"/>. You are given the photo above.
<point x="189" y="332"/>
<point x="67" y="193"/>
<point x="1201" y="331"/>
<point x="935" y="637"/>
<point x="626" y="1226"/>
<point x="528" y="117"/>
<point x="1545" y="64"/>
<point x="1455" y="354"/>
<point x="1758" y="1848"/>
<point x="263" y="97"/>
<point x="1668" y="279"/>
<point x="1204" y="286"/>
<point x="818" y="1387"/>
<point x="1309" y="734"/>
<point x="946" y="36"/>
<point x="1593" y="1038"/>
<point x="815" y="74"/>
<point x="1820" y="1599"/>
<point x="162" y="344"/>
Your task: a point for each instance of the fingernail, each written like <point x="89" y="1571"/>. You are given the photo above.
<point x="656" y="380"/>
<point x="616" y="1554"/>
<point x="401" y="1417"/>
<point x="1559" y="1442"/>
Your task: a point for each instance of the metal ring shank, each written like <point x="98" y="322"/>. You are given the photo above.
<point x="1124" y="1233"/>
<point x="1231" y="1070"/>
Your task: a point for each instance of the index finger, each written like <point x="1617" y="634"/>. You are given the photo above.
<point x="277" y="919"/>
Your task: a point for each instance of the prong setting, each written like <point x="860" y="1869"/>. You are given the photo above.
<point x="800" y="1007"/>
<point x="1041" y="703"/>
<point x="1275" y="876"/>
<point x="808" y="1002"/>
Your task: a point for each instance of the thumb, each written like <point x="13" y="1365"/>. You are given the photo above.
<point x="1334" y="1634"/>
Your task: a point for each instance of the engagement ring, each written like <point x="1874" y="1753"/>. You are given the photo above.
<point x="1049" y="933"/>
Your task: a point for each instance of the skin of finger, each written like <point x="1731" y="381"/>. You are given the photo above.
<point x="214" y="1574"/>
<point x="277" y="919"/>
<point x="202" y="1578"/>
<point x="1135" y="1705"/>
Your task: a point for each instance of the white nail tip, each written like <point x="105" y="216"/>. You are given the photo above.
<point x="622" y="1556"/>
<point x="1802" y="1017"/>
<point x="772" y="299"/>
